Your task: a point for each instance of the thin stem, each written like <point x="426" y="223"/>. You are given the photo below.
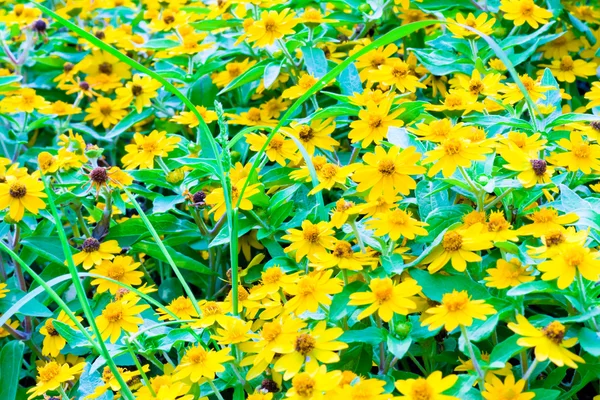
<point x="233" y="254"/>
<point x="139" y="366"/>
<point x="498" y="198"/>
<point x="473" y="188"/>
<point x="358" y="237"/>
<point x="417" y="363"/>
<point x="530" y="369"/>
<point x="87" y="310"/>
<point x="381" y="349"/>
<point x="583" y="299"/>
<point x="215" y="390"/>
<point x="478" y="369"/>
<point x="163" y="249"/>
<point x="84" y="227"/>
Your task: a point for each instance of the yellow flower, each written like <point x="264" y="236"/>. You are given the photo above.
<point x="140" y="91"/>
<point x="397" y="73"/>
<point x="25" y="100"/>
<point x="452" y="153"/>
<point x="387" y="174"/>
<point x="311" y="291"/>
<point x="60" y="108"/>
<point x="498" y="229"/>
<point x="316" y="135"/>
<point x="532" y="170"/>
<point x="561" y="46"/>
<point x="165" y="388"/>
<point x="313" y="384"/>
<point x="233" y="331"/>
<point x="252" y="117"/>
<point x="570" y="260"/>
<point x="106" y="112"/>
<point x="188" y="118"/>
<point x="330" y="175"/>
<point x="120" y="315"/>
<point x="343" y="257"/>
<point x="276" y="337"/>
<point x="311" y="240"/>
<point x="94" y="253"/>
<point x="232" y="71"/>
<point x="489" y="85"/>
<point x="118" y="178"/>
<point x="212" y="312"/>
<point x="386" y="298"/>
<point x="458" y="246"/>
<point x="279" y="148"/>
<point x="567" y="69"/>
<point x="310" y="348"/>
<point x="110" y="382"/>
<point x="480" y="23"/>
<point x="437" y="130"/>
<point x="22" y="193"/>
<point x="457" y="100"/>
<point x="370" y="62"/>
<point x="495" y="389"/>
<point x="272" y="26"/>
<point x="581" y="155"/>
<point x="512" y="94"/>
<point x="397" y="223"/>
<point x="53" y="343"/>
<point x="530" y="145"/>
<point x="13" y="324"/>
<point x="363" y="389"/>
<point x="143" y="150"/>
<point x="3" y="290"/>
<point x="521" y="11"/>
<point x="216" y="198"/>
<point x="546" y="220"/>
<point x="305" y="83"/>
<point x="181" y="306"/>
<point x="168" y="20"/>
<point x="508" y="274"/>
<point x="430" y="388"/>
<point x="52" y="375"/>
<point x="548" y="342"/>
<point x="312" y="17"/>
<point x="456" y="309"/>
<point x="104" y="71"/>
<point x="593" y="95"/>
<point x="198" y="363"/>
<point x="373" y="123"/>
<point x="122" y="269"/>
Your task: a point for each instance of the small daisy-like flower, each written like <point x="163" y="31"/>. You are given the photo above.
<point x="456" y="309"/>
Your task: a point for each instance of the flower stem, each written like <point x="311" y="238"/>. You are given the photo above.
<point x="358" y="237"/>
<point x="583" y="299"/>
<point x="530" y="369"/>
<point x="474" y="189"/>
<point x="139" y="366"/>
<point x="215" y="390"/>
<point x="476" y="365"/>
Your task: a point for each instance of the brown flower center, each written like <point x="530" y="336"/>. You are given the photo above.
<point x="311" y="234"/>
<point x="386" y="167"/>
<point x="555" y="331"/>
<point x="90" y="245"/>
<point x="452" y="241"/>
<point x="17" y="190"/>
<point x="105" y="68"/>
<point x="305" y="344"/>
<point x="539" y="167"/>
<point x="305" y="133"/>
<point x="137" y="90"/>
<point x="50" y="327"/>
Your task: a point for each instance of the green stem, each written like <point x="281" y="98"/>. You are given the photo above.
<point x="474" y="189"/>
<point x="84" y="227"/>
<point x="498" y="198"/>
<point x="87" y="310"/>
<point x="233" y="254"/>
<point x="139" y="366"/>
<point x="530" y="369"/>
<point x="480" y="374"/>
<point x="215" y="390"/>
<point x="583" y="299"/>
<point x="163" y="249"/>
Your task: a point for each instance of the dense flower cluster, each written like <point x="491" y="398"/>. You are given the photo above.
<point x="268" y="199"/>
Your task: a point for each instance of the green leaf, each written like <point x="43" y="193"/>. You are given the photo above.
<point x="349" y="81"/>
<point x="127" y="122"/>
<point x="590" y="341"/>
<point x="315" y="60"/>
<point x="253" y="74"/>
<point x="504" y="351"/>
<point x="7" y="80"/>
<point x="30" y="307"/>
<point x="570" y="118"/>
<point x="533" y="287"/>
<point x="436" y="285"/>
<point x="339" y="305"/>
<point x="74" y="338"/>
<point x="271" y="73"/>
<point x="398" y="347"/>
<point x="546" y="394"/>
<point x="211" y="25"/>
<point x="371" y="335"/>
<point x="160" y="44"/>
<point x="11" y="359"/>
<point x="180" y="259"/>
<point x="47" y="247"/>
